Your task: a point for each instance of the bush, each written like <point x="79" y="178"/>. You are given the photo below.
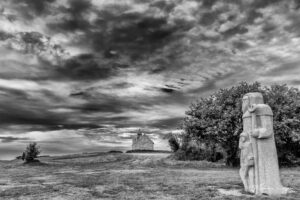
<point x="31" y="153"/>
<point x="217" y="120"/>
<point x="196" y="152"/>
<point x="173" y="143"/>
<point x="114" y="151"/>
<point x="191" y="153"/>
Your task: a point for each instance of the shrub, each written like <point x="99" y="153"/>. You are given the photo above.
<point x="31" y="153"/>
<point x="199" y="152"/>
<point x="191" y="153"/>
<point x="173" y="143"/>
<point x="114" y="151"/>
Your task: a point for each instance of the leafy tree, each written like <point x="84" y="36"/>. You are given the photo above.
<point x="284" y="102"/>
<point x="31" y="152"/>
<point x="217" y="120"/>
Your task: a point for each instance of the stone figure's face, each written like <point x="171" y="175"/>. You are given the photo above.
<point x="246" y="104"/>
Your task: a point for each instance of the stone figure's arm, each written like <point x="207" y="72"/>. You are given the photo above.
<point x="265" y="132"/>
<point x="243" y="140"/>
<point x="266" y="128"/>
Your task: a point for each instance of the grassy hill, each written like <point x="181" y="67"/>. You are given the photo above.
<point x="126" y="176"/>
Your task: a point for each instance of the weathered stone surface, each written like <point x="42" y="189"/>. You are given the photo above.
<point x="259" y="163"/>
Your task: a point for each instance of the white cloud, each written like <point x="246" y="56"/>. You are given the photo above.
<point x="185" y="10"/>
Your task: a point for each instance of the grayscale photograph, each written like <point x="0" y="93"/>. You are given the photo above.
<point x="149" y="99"/>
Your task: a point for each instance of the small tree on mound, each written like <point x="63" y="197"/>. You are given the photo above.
<point x="31" y="152"/>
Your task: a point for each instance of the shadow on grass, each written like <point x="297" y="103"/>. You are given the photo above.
<point x="35" y="163"/>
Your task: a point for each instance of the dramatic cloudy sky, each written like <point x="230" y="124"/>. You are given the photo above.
<point x="84" y="75"/>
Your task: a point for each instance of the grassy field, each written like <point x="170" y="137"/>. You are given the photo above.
<point x="126" y="176"/>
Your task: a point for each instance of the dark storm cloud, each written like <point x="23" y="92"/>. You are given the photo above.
<point x="78" y="7"/>
<point x="172" y="123"/>
<point x="81" y="67"/>
<point x="14" y="94"/>
<point x="119" y="110"/>
<point x="297" y="4"/>
<point x="5" y="36"/>
<point x="239" y="29"/>
<point x="33" y="110"/>
<point x="240" y="45"/>
<point x="33" y="38"/>
<point x="29" y="42"/>
<point x="294" y="27"/>
<point x="135" y="36"/>
<point x="18" y="107"/>
<point x="160" y="65"/>
<point x="74" y="16"/>
<point x="30" y="8"/>
<point x="262" y="4"/>
<point x="37" y="118"/>
<point x="13" y="113"/>
<point x="208" y="18"/>
<point x="117" y="31"/>
<point x="122" y="85"/>
<point x="99" y="102"/>
<point x="208" y="3"/>
<point x="252" y="15"/>
<point x="166" y="6"/>
<point x="11" y="139"/>
<point x="108" y="106"/>
<point x="86" y="67"/>
<point x="32" y="56"/>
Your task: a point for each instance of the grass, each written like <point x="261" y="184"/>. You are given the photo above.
<point x="125" y="177"/>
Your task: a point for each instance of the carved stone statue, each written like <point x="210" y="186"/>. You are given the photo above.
<point x="259" y="163"/>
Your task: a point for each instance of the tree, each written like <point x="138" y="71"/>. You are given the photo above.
<point x="285" y="103"/>
<point x="31" y="152"/>
<point x="217" y="119"/>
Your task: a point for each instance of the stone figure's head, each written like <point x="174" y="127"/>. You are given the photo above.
<point x="250" y="99"/>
